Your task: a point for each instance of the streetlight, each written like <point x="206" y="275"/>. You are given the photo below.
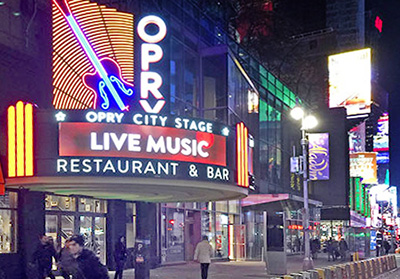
<point x="307" y="122"/>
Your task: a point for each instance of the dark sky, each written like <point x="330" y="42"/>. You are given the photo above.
<point x="389" y="69"/>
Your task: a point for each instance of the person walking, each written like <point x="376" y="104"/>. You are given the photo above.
<point x="65" y="262"/>
<point x="386" y="246"/>
<point x="86" y="265"/>
<point x="203" y="254"/>
<point x="343" y="248"/>
<point x="43" y="257"/>
<point x="329" y="249"/>
<point x="120" y="255"/>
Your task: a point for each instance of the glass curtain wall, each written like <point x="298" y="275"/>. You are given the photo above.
<point x="183" y="225"/>
<point x="184" y="80"/>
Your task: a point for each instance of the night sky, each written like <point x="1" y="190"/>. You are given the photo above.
<point x="389" y="78"/>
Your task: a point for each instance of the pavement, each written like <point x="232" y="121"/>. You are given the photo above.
<point x="238" y="269"/>
<point x="224" y="270"/>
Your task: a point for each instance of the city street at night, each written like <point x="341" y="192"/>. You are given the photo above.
<point x="188" y="139"/>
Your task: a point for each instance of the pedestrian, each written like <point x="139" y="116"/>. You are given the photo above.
<point x="43" y="257"/>
<point x="297" y="244"/>
<point x="87" y="265"/>
<point x="315" y="247"/>
<point x="203" y="255"/>
<point x="343" y="248"/>
<point x="329" y="249"/>
<point x="65" y="261"/>
<point x="386" y="246"/>
<point x="335" y="248"/>
<point x="120" y="255"/>
<point x="379" y="242"/>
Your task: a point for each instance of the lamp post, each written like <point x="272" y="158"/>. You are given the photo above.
<point x="307" y="122"/>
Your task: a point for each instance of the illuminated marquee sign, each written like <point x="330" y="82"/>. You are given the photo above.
<point x="93" y="58"/>
<point x="129" y="144"/>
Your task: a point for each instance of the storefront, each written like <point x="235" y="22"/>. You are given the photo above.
<point x="115" y="156"/>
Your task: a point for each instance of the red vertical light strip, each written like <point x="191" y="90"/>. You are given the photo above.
<point x="246" y="157"/>
<point x="242" y="152"/>
<point x="12" y="161"/>
<point x="242" y="155"/>
<point x="238" y="151"/>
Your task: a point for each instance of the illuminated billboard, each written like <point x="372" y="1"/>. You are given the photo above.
<point x="363" y="165"/>
<point x="350" y="81"/>
<point x="381" y="139"/>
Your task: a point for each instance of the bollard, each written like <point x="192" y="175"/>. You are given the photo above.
<point x="314" y="274"/>
<point x="364" y="270"/>
<point x="352" y="270"/>
<point x="321" y="274"/>
<point x="287" y="277"/>
<point x="369" y="268"/>
<point x="305" y="274"/>
<point x="347" y="269"/>
<point x="384" y="266"/>
<point x="338" y="272"/>
<point x="327" y="273"/>
<point x="296" y="275"/>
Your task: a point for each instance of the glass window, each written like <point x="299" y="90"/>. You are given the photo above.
<point x="9" y="200"/>
<point x="8" y="222"/>
<point x="208" y="226"/>
<point x="8" y="231"/>
<point x="173" y="241"/>
<point x="221" y="206"/>
<point x="60" y="203"/>
<point x="92" y="205"/>
<point x="207" y="205"/>
<point x="221" y="235"/>
<point x="234" y="206"/>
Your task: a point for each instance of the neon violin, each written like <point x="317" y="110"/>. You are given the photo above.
<point x="107" y="77"/>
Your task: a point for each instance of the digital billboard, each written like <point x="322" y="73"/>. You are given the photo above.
<point x="381" y="139"/>
<point x="350" y="81"/>
<point x="363" y="165"/>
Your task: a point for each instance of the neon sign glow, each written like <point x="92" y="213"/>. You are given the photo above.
<point x="20" y="140"/>
<point x="96" y="43"/>
<point x="150" y="82"/>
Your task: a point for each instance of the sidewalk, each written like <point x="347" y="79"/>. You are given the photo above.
<point x="230" y="270"/>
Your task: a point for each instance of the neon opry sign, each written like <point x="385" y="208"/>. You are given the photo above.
<point x="84" y="45"/>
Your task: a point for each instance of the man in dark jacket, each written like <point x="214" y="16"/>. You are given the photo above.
<point x="88" y="266"/>
<point x="43" y="257"/>
<point x="120" y="255"/>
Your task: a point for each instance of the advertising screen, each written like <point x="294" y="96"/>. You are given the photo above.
<point x="381" y="139"/>
<point x="350" y="81"/>
<point x="363" y="165"/>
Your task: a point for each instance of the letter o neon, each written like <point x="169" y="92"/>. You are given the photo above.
<point x="162" y="29"/>
<point x="91" y="116"/>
